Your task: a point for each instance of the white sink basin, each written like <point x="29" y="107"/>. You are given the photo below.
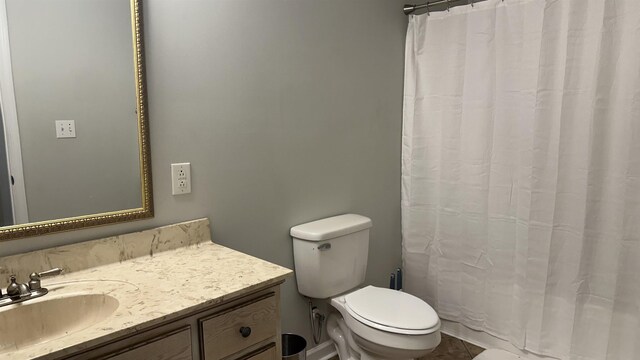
<point x="45" y="319"/>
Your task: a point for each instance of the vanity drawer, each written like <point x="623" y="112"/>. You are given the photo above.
<point x="266" y="353"/>
<point x="175" y="345"/>
<point x="221" y="333"/>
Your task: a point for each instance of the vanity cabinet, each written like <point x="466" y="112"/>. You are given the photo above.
<point x="228" y="332"/>
<point x="175" y="345"/>
<point x="244" y="328"/>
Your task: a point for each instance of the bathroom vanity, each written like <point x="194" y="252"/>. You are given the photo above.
<point x="166" y="293"/>
<point x="243" y="328"/>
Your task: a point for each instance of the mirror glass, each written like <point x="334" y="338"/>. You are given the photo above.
<point x="73" y="132"/>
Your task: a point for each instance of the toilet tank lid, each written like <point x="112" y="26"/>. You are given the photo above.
<point x="330" y="228"/>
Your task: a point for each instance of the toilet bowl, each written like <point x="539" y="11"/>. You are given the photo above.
<point x="330" y="257"/>
<point x="379" y="323"/>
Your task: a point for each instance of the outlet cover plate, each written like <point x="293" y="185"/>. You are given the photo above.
<point x="180" y="178"/>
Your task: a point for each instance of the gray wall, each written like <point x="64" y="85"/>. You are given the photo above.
<point x="289" y="111"/>
<point x="73" y="60"/>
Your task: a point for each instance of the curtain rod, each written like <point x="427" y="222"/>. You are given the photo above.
<point x="410" y="8"/>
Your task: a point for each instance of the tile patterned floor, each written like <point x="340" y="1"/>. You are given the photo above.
<point x="451" y="348"/>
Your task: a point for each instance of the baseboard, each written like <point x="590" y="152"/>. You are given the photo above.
<point x="324" y="351"/>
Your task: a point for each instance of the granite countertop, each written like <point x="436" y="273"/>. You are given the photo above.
<point x="179" y="278"/>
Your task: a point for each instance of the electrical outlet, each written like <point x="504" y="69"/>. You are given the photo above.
<point x="180" y="178"/>
<point x="65" y="129"/>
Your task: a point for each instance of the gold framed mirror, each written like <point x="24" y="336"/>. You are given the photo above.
<point x="76" y="130"/>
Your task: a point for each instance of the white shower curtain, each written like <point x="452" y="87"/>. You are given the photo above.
<point x="521" y="172"/>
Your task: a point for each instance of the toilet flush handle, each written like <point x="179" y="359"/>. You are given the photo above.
<point x="325" y="246"/>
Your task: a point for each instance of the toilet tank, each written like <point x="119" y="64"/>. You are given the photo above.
<point x="330" y="255"/>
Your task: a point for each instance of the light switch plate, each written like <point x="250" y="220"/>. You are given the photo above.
<point x="65" y="129"/>
<point x="180" y="178"/>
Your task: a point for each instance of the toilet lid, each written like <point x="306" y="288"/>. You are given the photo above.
<point x="392" y="310"/>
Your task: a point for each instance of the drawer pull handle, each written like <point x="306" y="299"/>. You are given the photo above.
<point x="245" y="331"/>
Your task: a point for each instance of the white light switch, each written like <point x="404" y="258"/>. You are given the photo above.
<point x="180" y="178"/>
<point x="65" y="129"/>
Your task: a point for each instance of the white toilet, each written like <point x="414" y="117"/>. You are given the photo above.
<point x="371" y="322"/>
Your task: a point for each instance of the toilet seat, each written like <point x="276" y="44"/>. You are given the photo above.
<point x="392" y="311"/>
<point x="386" y="342"/>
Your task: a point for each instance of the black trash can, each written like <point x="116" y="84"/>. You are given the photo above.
<point x="294" y="347"/>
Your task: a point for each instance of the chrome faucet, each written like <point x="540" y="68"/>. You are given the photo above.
<point x="34" y="278"/>
<point x="17" y="292"/>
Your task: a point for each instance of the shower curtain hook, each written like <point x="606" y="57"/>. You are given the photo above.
<point x="472" y="3"/>
<point x="449" y="5"/>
